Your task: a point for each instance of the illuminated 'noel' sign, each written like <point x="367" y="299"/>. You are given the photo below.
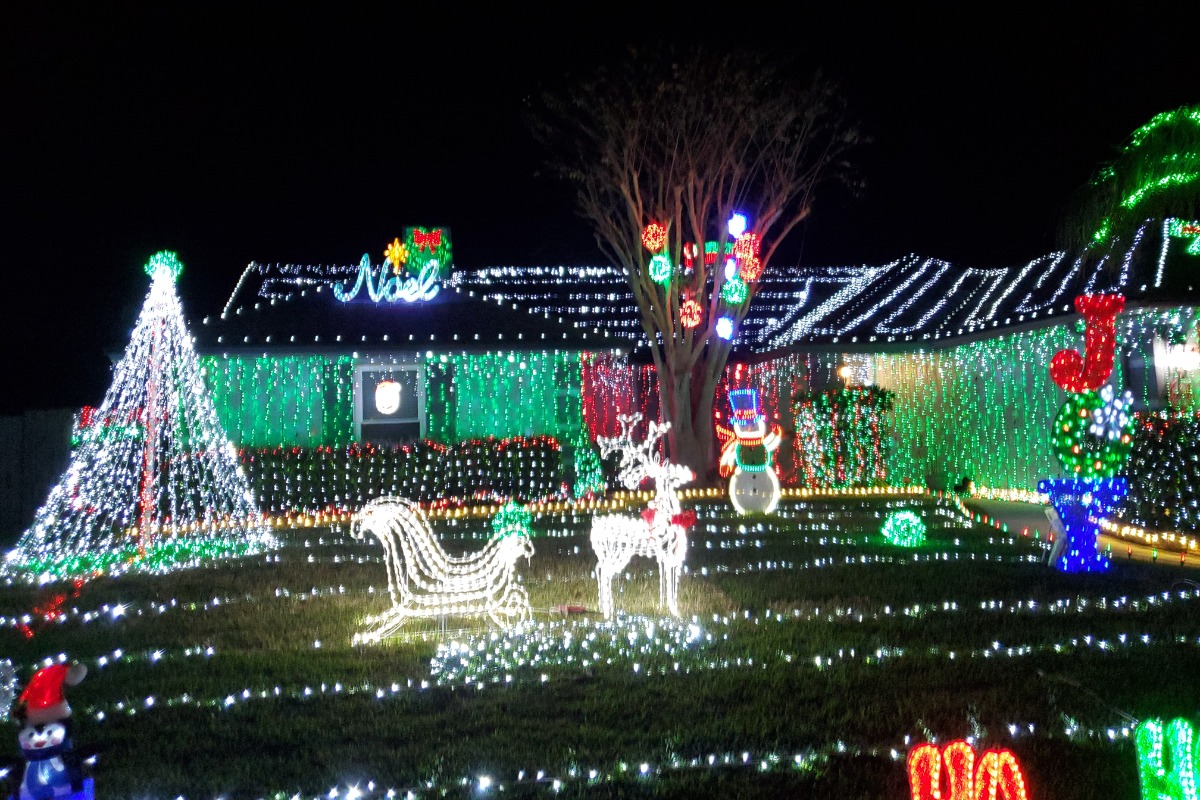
<point x="412" y="269"/>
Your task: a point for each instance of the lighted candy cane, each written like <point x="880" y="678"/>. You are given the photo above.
<point x="1160" y="781"/>
<point x="997" y="777"/>
<point x="1086" y="373"/>
<point x="925" y="771"/>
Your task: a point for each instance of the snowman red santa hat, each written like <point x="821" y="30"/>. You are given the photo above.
<point x="43" y="699"/>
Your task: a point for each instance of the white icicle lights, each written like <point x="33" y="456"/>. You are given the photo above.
<point x="661" y="530"/>
<point x="424" y="581"/>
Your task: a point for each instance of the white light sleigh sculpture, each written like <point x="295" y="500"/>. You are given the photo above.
<point x="425" y="582"/>
<point x="660" y="532"/>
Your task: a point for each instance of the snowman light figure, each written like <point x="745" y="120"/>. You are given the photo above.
<point x="746" y="455"/>
<point x="53" y="768"/>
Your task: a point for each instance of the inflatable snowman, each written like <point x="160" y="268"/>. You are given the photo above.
<point x="746" y="457"/>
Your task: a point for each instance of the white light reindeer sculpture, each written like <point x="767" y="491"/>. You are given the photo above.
<point x="660" y="532"/>
<point x="425" y="582"/>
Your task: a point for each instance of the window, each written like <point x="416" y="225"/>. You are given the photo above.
<point x="389" y="403"/>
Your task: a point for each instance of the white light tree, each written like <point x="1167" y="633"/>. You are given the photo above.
<point x="153" y="482"/>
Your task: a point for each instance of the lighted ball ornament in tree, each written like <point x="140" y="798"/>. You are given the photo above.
<point x="660" y="269"/>
<point x="1092" y="436"/>
<point x="154" y="482"/>
<point x="746" y="455"/>
<point x="690" y="313"/>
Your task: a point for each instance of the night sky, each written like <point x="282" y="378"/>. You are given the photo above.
<point x="246" y="132"/>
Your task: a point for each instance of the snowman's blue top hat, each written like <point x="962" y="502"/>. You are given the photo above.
<point x="744" y="403"/>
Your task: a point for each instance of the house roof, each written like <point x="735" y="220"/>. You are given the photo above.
<point x="291" y="307"/>
<point x="912" y="302"/>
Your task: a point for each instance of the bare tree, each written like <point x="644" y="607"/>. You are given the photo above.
<point x="663" y="149"/>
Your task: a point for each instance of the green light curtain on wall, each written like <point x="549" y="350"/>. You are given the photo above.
<point x="283" y="400"/>
<point x="309" y="400"/>
<point x="504" y="394"/>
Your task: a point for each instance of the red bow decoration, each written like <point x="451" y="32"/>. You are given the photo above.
<point x="998" y="775"/>
<point x="427" y="239"/>
<point x="684" y="519"/>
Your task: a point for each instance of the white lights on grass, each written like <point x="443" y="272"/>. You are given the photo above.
<point x="637" y="644"/>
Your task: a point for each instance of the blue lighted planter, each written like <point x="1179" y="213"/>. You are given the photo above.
<point x="1078" y="501"/>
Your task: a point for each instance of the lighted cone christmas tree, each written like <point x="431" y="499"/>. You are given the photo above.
<point x="154" y="482"/>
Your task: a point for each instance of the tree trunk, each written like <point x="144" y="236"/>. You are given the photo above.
<point x="687" y="403"/>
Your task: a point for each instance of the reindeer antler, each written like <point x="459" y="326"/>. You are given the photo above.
<point x="638" y="460"/>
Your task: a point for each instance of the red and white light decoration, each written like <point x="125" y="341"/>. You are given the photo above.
<point x="952" y="774"/>
<point x="661" y="530"/>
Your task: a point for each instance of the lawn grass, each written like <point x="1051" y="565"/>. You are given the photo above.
<point x="812" y="639"/>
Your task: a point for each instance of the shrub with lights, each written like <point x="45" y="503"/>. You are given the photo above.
<point x="317" y="479"/>
<point x="153" y="482"/>
<point x="1164" y="473"/>
<point x="841" y="436"/>
<point x="903" y="529"/>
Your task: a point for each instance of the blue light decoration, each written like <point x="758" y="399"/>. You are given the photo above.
<point x="412" y="270"/>
<point x="1080" y="503"/>
<point x="725" y="328"/>
<point x="737" y="225"/>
